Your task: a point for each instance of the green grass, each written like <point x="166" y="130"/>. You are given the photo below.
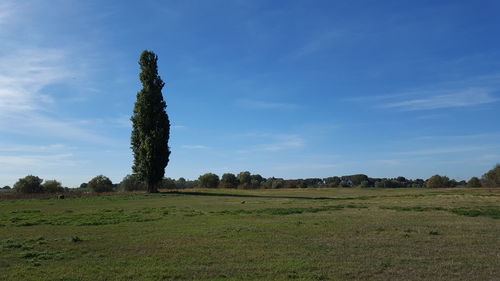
<point x="302" y="234"/>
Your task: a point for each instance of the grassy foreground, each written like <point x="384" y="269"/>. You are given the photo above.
<point x="318" y="234"/>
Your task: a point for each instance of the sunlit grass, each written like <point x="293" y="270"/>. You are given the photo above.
<point x="313" y="234"/>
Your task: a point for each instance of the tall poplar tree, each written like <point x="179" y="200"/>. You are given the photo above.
<point x="151" y="127"/>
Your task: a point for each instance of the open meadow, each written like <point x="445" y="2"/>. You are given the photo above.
<point x="294" y="234"/>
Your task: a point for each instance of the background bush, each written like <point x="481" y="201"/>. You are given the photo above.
<point x="52" y="186"/>
<point x="492" y="177"/>
<point x="437" y="181"/>
<point x="208" y="180"/>
<point x="132" y="183"/>
<point x="168" y="183"/>
<point x="100" y="184"/>
<point x="474" y="182"/>
<point x="181" y="183"/>
<point x="29" y="184"/>
<point x="229" y="180"/>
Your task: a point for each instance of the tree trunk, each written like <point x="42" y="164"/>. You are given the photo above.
<point x="153" y="188"/>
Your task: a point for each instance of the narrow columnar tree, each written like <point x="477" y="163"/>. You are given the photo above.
<point x="151" y="127"/>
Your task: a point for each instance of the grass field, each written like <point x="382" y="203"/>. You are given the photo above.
<point x="313" y="234"/>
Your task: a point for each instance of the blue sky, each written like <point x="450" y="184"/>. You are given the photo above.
<point x="289" y="89"/>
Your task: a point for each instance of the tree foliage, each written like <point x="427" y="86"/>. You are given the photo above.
<point x="474" y="182"/>
<point x="100" y="184"/>
<point x="208" y="180"/>
<point x="273" y="183"/>
<point x="357" y="179"/>
<point x="245" y="177"/>
<point x="277" y="183"/>
<point x="29" y="184"/>
<point x="150" y="125"/>
<point x="52" y="186"/>
<point x="229" y="180"/>
<point x="492" y="177"/>
<point x="437" y="181"/>
<point x="168" y="183"/>
<point x="256" y="180"/>
<point x="132" y="182"/>
<point x="332" y="181"/>
<point x="181" y="183"/>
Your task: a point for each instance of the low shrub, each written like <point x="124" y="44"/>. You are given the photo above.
<point x="52" y="186"/>
<point x="29" y="184"/>
<point x="100" y="184"/>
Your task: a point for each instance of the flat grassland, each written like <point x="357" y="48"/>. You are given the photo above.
<point x="300" y="234"/>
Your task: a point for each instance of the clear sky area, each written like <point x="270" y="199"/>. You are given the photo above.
<point x="291" y="89"/>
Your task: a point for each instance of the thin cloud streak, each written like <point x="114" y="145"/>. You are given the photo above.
<point x="310" y="166"/>
<point x="196" y="146"/>
<point x="24" y="74"/>
<point x="289" y="142"/>
<point x="34" y="123"/>
<point x="6" y="11"/>
<point x="383" y="97"/>
<point x="266" y="142"/>
<point x="390" y="162"/>
<point x="469" y="91"/>
<point x="468" y="97"/>
<point x="32" y="148"/>
<point x="257" y="104"/>
<point x="24" y="109"/>
<point x="444" y="150"/>
<point x="27" y="162"/>
<point x="178" y="127"/>
<point x="487" y="136"/>
<point x="320" y="42"/>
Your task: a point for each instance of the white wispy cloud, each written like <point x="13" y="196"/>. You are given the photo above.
<point x="28" y="162"/>
<point x="391" y="162"/>
<point x="122" y="121"/>
<point x="24" y="109"/>
<point x="31" y="157"/>
<point x="24" y="73"/>
<point x="28" y="106"/>
<point x="466" y="92"/>
<point x="307" y="166"/>
<point x="431" y="116"/>
<point x="32" y="148"/>
<point x="319" y="42"/>
<point x="195" y="146"/>
<point x="258" y="104"/>
<point x="462" y="98"/>
<point x="385" y="97"/>
<point x="272" y="142"/>
<point x="282" y="143"/>
<point x="488" y="136"/>
<point x="489" y="157"/>
<point x="7" y="11"/>
<point x="444" y="150"/>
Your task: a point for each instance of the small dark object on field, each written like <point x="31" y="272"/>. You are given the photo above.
<point x="433" y="233"/>
<point x="242" y="202"/>
<point x="60" y="196"/>
<point x="76" y="239"/>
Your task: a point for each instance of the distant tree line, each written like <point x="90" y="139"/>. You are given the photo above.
<point x="34" y="184"/>
<point x="246" y="180"/>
